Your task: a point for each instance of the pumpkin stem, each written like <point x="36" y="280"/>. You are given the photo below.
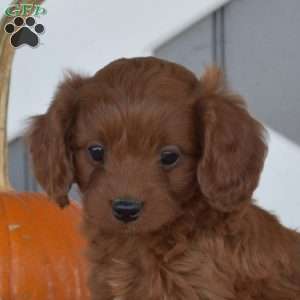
<point x="6" y="58"/>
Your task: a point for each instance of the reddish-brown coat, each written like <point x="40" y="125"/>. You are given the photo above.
<point x="200" y="237"/>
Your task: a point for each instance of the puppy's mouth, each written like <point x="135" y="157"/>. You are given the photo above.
<point x="126" y="219"/>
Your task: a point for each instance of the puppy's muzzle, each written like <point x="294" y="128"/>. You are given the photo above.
<point x="126" y="209"/>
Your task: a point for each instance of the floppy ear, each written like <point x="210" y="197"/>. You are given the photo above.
<point x="48" y="139"/>
<point x="232" y="145"/>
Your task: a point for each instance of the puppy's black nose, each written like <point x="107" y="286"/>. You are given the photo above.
<point x="126" y="209"/>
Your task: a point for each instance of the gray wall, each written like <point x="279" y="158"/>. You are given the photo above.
<point x="262" y="48"/>
<point x="198" y="46"/>
<point x="257" y="43"/>
<point x="20" y="173"/>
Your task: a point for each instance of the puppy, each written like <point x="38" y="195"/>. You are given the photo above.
<point x="166" y="165"/>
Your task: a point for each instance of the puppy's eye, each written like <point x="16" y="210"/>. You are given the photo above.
<point x="169" y="156"/>
<point x="96" y="152"/>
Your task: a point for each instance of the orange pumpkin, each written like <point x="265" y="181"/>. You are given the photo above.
<point x="40" y="249"/>
<point x="40" y="245"/>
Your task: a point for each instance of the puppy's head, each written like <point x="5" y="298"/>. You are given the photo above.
<point x="143" y="138"/>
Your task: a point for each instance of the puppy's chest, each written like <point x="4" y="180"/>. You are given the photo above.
<point x="151" y="278"/>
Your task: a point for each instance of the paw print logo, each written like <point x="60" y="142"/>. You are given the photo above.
<point x="24" y="32"/>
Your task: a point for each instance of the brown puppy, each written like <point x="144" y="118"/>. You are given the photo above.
<point x="167" y="165"/>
